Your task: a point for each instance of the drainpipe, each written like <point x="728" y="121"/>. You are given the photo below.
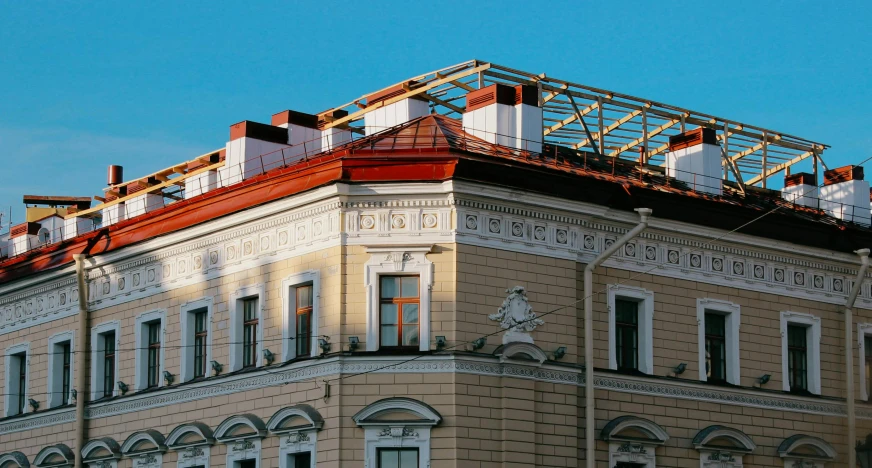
<point x="81" y="362"/>
<point x="590" y="441"/>
<point x="849" y="353"/>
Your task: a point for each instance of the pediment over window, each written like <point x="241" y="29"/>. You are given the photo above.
<point x="189" y="435"/>
<point x="101" y="449"/>
<point x="300" y="417"/>
<point x="397" y="411"/>
<point x="14" y="460"/>
<point x="520" y="351"/>
<point x="723" y="439"/>
<point x="58" y="455"/>
<point x="239" y="427"/>
<point x="148" y="441"/>
<point x="635" y="430"/>
<point x="804" y="447"/>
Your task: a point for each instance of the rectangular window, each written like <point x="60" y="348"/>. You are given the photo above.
<point x="797" y="357"/>
<point x="716" y="347"/>
<point x="300" y="460"/>
<point x="247" y="464"/>
<point x="249" y="332"/>
<point x="627" y="334"/>
<point x="867" y="360"/>
<point x="398" y="315"/>
<point x="22" y="382"/>
<point x="304" y="320"/>
<point x="201" y="333"/>
<point x="108" y="363"/>
<point x="67" y="357"/>
<point x="397" y="458"/>
<point x="153" y="358"/>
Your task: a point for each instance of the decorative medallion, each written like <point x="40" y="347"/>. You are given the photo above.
<point x="609" y="242"/>
<point x="471" y="222"/>
<point x="121" y="283"/>
<point x="517" y="229"/>
<point x="183" y="266"/>
<point x="759" y="271"/>
<point x="398" y="221"/>
<point x="231" y="252"/>
<point x="301" y="233"/>
<point x="630" y="249"/>
<point x="539" y="233"/>
<point x="561" y="236"/>
<point x="367" y="222"/>
<point x="247" y="248"/>
<point x="213" y="257"/>
<point x="429" y="220"/>
<point x="318" y="228"/>
<point x="798" y="278"/>
<point x="39" y="305"/>
<point x="517" y="317"/>
<point x="838" y="285"/>
<point x="264" y="243"/>
<point x="650" y="253"/>
<point x="673" y="257"/>
<point x="738" y="268"/>
<point x="283" y="238"/>
<point x="695" y="260"/>
<point x="818" y="282"/>
<point x="63" y="298"/>
<point x="717" y="264"/>
<point x="135" y="280"/>
<point x="778" y="275"/>
<point x="166" y="271"/>
<point x="105" y="287"/>
<point x="52" y="302"/>
<point x="198" y="262"/>
<point x="494" y="226"/>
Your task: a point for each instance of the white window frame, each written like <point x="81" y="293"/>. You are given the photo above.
<point x="733" y="313"/>
<point x="97" y="357"/>
<point x="863" y="330"/>
<point x="292" y="444"/>
<point x="398" y="261"/>
<point x="191" y="454"/>
<point x="236" y="328"/>
<point x="12" y="373"/>
<point x="56" y="366"/>
<point x="645" y="299"/>
<point x="402" y="433"/>
<point x="240" y="448"/>
<point x="289" y="311"/>
<point x="188" y="327"/>
<point x="143" y="320"/>
<point x="812" y="325"/>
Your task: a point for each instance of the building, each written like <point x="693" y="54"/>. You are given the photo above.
<point x="401" y="282"/>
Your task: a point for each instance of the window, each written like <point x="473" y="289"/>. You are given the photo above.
<point x="16" y="379"/>
<point x="246" y="464"/>
<point x="399" y="317"/>
<point x="201" y="333"/>
<point x="800" y="353"/>
<point x="249" y="332"/>
<point x="153" y="354"/>
<point x="629" y="465"/>
<point x="300" y="460"/>
<point x="60" y="369"/>
<point x="797" y="357"/>
<point x="397" y="458"/>
<point x="715" y="347"/>
<point x="718" y="328"/>
<point x="104" y="362"/>
<point x="108" y="342"/>
<point x="304" y="320"/>
<point x="627" y="334"/>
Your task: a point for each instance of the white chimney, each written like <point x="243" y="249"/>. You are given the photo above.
<point x="845" y="195"/>
<point x="394" y="114"/>
<point x="253" y="149"/>
<point x="333" y="137"/>
<point x="528" y="119"/>
<point x="76" y="226"/>
<point x="801" y="189"/>
<point x="206" y="180"/>
<point x="303" y="134"/>
<point x="145" y="203"/>
<point x="694" y="158"/>
<point x="505" y="115"/>
<point x="114" y="213"/>
<point x="23" y="237"/>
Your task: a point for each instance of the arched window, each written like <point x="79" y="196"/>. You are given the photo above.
<point x="146" y="448"/>
<point x="55" y="456"/>
<point x="722" y="447"/>
<point x="14" y="460"/>
<point x="101" y="453"/>
<point x="242" y="434"/>
<point x="193" y="442"/>
<point x="633" y="440"/>
<point x="806" y="451"/>
<point x="397" y="432"/>
<point x="297" y="426"/>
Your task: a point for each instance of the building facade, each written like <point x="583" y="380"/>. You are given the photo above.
<point x="414" y="297"/>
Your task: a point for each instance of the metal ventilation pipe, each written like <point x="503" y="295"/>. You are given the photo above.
<point x="115" y="175"/>
<point x="589" y="420"/>
<point x="849" y="354"/>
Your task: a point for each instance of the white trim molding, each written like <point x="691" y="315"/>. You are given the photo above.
<point x="631" y="448"/>
<point x="397" y="260"/>
<point x="188" y="326"/>
<point x="143" y="320"/>
<point x="863" y="330"/>
<point x="14" y="460"/>
<point x="190" y="453"/>
<point x="55" y="456"/>
<point x="812" y="324"/>
<point x="712" y="443"/>
<point x="805" y="451"/>
<point x="407" y="425"/>
<point x="97" y="357"/>
<point x="145" y="448"/>
<point x="289" y="308"/>
<point x="245" y="445"/>
<point x="105" y="444"/>
<point x="645" y="299"/>
<point x="732" y="312"/>
<point x="236" y="320"/>
<point x="297" y="426"/>
<point x="12" y="371"/>
<point x="54" y="376"/>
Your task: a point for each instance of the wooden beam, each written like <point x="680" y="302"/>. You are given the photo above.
<point x="443" y="103"/>
<point x="779" y="168"/>
<point x="754" y="148"/>
<point x="570" y="119"/>
<point x="610" y="128"/>
<point x="652" y="133"/>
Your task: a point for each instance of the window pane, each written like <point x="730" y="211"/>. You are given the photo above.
<point x="410" y="286"/>
<point x="389" y="459"/>
<point x="200" y="325"/>
<point x="389" y="287"/>
<point x="389" y="335"/>
<point x="304" y="296"/>
<point x="250" y="309"/>
<point x="410" y="313"/>
<point x="410" y="335"/>
<point x="626" y="311"/>
<point x="409" y="459"/>
<point x="389" y="314"/>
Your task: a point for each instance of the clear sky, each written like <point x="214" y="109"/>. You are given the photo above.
<point x="87" y="84"/>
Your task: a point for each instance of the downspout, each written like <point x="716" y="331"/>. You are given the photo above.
<point x="849" y="353"/>
<point x="81" y="362"/>
<point x="590" y="441"/>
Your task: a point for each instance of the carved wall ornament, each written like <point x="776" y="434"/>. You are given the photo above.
<point x="398" y="432"/>
<point x="517" y="317"/>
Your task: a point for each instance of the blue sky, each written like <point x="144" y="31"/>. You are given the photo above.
<point x="87" y="84"/>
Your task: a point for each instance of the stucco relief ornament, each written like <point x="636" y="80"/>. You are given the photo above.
<point x="517" y="317"/>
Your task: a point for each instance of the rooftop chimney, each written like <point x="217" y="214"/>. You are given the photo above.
<point x="845" y="195"/>
<point x="303" y="134"/>
<point x="394" y="114"/>
<point x="505" y="115"/>
<point x="145" y="202"/>
<point x="333" y="136"/>
<point x="204" y="181"/>
<point x="694" y="158"/>
<point x="115" y="175"/>
<point x="800" y="188"/>
<point x="114" y="213"/>
<point x="253" y="149"/>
